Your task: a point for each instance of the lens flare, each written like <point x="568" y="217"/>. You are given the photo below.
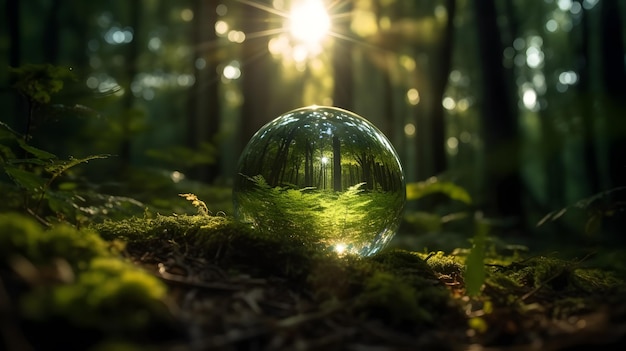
<point x="309" y="21"/>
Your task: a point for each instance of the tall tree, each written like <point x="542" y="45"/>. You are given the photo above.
<point x="443" y="63"/>
<point x="586" y="107"/>
<point x="614" y="88"/>
<point x="203" y="119"/>
<point x="12" y="14"/>
<point x="336" y="163"/>
<point x="499" y="118"/>
<point x="256" y="73"/>
<point x="13" y="23"/>
<point x="131" y="70"/>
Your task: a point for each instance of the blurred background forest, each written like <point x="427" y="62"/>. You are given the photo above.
<point x="519" y="102"/>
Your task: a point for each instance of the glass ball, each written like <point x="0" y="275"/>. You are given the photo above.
<point x="324" y="174"/>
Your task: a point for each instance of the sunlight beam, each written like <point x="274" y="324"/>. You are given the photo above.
<point x="263" y="7"/>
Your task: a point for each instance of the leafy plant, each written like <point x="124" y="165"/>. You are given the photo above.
<point x="431" y="221"/>
<point x="433" y="185"/>
<point x="597" y="208"/>
<point x="475" y="262"/>
<point x="474" y="273"/>
<point x="352" y="219"/>
<point x="31" y="170"/>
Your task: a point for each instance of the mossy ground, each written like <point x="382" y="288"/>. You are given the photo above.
<point x="205" y="282"/>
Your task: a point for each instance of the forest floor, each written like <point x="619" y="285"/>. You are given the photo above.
<point x="227" y="288"/>
<point x="249" y="312"/>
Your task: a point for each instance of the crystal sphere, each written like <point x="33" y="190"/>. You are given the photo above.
<point x="324" y="174"/>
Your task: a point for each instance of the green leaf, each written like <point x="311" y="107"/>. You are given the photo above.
<point x="27" y="180"/>
<point x="475" y="261"/>
<point x="7" y="132"/>
<point x="60" y="167"/>
<point x="418" y="190"/>
<point x="40" y="154"/>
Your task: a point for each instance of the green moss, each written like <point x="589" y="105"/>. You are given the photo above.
<point x="594" y="281"/>
<point x="23" y="236"/>
<point x="560" y="275"/>
<point x="393" y="300"/>
<point x="339" y="278"/>
<point x="110" y="295"/>
<point x="19" y="235"/>
<point x="444" y="264"/>
<point x="405" y="288"/>
<point x="142" y="230"/>
<point x="551" y="278"/>
<point x="399" y="287"/>
<point x="103" y="295"/>
<point x="404" y="262"/>
<point x="396" y="286"/>
<point x="220" y="239"/>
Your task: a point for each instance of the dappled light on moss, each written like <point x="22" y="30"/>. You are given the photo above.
<point x="323" y="173"/>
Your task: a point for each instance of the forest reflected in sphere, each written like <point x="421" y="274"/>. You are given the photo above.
<point x="325" y="174"/>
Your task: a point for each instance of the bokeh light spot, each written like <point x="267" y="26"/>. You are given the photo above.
<point x="221" y="28"/>
<point x="186" y="15"/>
<point x="413" y="96"/>
<point x="409" y="129"/>
<point x="448" y="103"/>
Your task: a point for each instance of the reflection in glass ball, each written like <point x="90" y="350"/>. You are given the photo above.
<point x="322" y="173"/>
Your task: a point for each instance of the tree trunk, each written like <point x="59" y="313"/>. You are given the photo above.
<point x="256" y="74"/>
<point x="131" y="71"/>
<point x="342" y="66"/>
<point x="439" y="83"/>
<point x="204" y="117"/>
<point x="499" y="118"/>
<point x="614" y="78"/>
<point x="15" y="56"/>
<point x="13" y="26"/>
<point x="586" y="108"/>
<point x="336" y="164"/>
<point x="308" y="165"/>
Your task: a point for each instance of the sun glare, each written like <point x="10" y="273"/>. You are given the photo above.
<point x="309" y="21"/>
<point x="340" y="248"/>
